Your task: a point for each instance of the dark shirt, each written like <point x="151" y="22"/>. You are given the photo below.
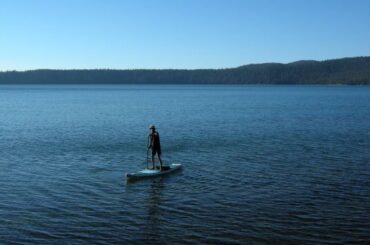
<point x="154" y="140"/>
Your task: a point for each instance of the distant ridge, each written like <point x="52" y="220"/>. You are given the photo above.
<point x="337" y="71"/>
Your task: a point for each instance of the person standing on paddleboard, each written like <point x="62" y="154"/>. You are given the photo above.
<point x="155" y="144"/>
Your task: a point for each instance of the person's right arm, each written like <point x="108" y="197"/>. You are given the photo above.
<point x="149" y="141"/>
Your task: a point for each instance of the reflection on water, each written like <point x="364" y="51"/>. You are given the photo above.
<point x="152" y="226"/>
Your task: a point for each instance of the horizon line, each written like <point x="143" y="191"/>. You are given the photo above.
<point x="186" y="69"/>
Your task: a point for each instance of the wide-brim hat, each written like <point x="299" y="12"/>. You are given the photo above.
<point x="151" y="126"/>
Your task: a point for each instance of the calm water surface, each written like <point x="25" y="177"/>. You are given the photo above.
<point x="263" y="164"/>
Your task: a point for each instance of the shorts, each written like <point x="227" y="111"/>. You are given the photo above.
<point x="156" y="151"/>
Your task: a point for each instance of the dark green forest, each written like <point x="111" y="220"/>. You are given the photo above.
<point x="339" y="71"/>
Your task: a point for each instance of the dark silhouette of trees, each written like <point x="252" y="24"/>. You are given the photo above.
<point x="339" y="71"/>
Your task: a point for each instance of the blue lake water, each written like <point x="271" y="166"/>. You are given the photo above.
<point x="263" y="164"/>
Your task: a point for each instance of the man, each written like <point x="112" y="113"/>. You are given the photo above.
<point x="155" y="144"/>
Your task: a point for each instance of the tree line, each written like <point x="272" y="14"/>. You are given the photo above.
<point x="339" y="71"/>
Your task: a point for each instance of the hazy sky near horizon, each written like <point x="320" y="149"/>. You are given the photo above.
<point x="122" y="34"/>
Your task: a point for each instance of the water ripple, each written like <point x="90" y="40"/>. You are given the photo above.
<point x="262" y="165"/>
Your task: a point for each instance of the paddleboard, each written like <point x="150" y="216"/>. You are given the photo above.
<point x="151" y="173"/>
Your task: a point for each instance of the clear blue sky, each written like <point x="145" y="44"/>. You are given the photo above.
<point x="123" y="34"/>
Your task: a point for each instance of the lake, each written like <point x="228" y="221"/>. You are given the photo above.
<point x="261" y="164"/>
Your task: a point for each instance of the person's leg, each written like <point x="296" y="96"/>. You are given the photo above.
<point x="153" y="155"/>
<point x="160" y="160"/>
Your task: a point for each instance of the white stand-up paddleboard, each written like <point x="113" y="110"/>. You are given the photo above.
<point x="151" y="173"/>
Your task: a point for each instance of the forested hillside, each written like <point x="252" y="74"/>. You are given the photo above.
<point x="339" y="71"/>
